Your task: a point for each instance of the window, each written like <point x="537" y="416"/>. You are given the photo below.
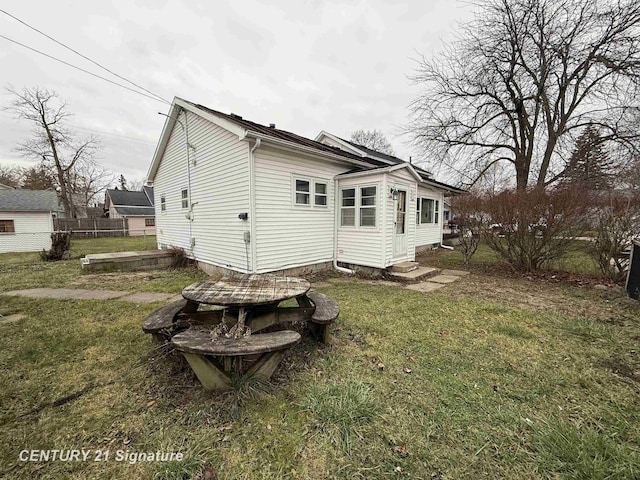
<point x="185" y="198"/>
<point x="302" y="192"/>
<point x="149" y="222"/>
<point x="367" y="206"/>
<point x="427" y="211"/>
<point x="163" y="204"/>
<point x="320" y="199"/>
<point x="7" y="226"/>
<point x="348" y="207"/>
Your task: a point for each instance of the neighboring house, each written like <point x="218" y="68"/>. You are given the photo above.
<point x="26" y="219"/>
<point x="136" y="206"/>
<point x="250" y="198"/>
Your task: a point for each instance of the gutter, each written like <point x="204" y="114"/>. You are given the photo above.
<point x="336" y="219"/>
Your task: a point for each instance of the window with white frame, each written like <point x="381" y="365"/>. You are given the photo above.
<point x="320" y="194"/>
<point x="368" y="206"/>
<point x="163" y="204"/>
<point x="348" y="207"/>
<point x="185" y="198"/>
<point x="427" y="211"/>
<point x="303" y="191"/>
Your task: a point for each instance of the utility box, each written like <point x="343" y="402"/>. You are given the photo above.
<point x="633" y="276"/>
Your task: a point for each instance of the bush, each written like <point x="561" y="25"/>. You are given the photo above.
<point x="471" y="221"/>
<point x="60" y="247"/>
<point x="617" y="224"/>
<point x="535" y="227"/>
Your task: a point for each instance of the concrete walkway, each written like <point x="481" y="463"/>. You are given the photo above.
<point x="80" y="294"/>
<point x="434" y="283"/>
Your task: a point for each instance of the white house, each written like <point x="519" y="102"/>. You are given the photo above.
<point x="252" y="198"/>
<point x="26" y="219"/>
<point x="136" y="206"/>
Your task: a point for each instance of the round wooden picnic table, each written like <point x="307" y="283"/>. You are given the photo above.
<point x="246" y="291"/>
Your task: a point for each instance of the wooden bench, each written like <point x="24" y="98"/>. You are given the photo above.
<point x="176" y="316"/>
<point x="326" y="312"/>
<point x="160" y="322"/>
<point x="199" y="349"/>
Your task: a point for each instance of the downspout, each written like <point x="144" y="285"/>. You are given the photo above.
<point x="336" y="194"/>
<point x="252" y="206"/>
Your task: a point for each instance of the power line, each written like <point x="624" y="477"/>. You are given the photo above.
<point x="83" y="56"/>
<point x="83" y="70"/>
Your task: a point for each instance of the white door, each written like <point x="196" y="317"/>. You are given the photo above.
<point x="400" y="225"/>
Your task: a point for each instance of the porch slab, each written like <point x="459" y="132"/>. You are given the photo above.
<point x="425" y="286"/>
<point x="415" y="275"/>
<point x="456" y="273"/>
<point x="444" y="279"/>
<point x="404" y="267"/>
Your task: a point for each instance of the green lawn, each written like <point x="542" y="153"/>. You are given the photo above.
<point x="489" y="377"/>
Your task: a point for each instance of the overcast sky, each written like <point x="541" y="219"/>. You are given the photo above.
<point x="305" y="65"/>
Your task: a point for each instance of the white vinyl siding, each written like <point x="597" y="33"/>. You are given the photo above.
<point x="401" y="180"/>
<point x="362" y="245"/>
<point x="32" y="232"/>
<point x="430" y="232"/>
<point x="288" y="235"/>
<point x="219" y="192"/>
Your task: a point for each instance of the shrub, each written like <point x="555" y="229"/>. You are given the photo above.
<point x="60" y="247"/>
<point x="535" y="227"/>
<point x="617" y="224"/>
<point x="472" y="222"/>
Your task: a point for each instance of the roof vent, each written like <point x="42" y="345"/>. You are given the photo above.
<point x="236" y="116"/>
<point x="272" y="125"/>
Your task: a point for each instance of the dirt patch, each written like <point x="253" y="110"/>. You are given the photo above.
<point x="530" y="293"/>
<point x="624" y="369"/>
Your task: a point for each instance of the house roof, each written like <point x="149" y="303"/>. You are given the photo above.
<point x="246" y="128"/>
<point x="135" y="211"/>
<point x="129" y="198"/>
<point x="130" y="203"/>
<point x="19" y="200"/>
<point x="287" y="136"/>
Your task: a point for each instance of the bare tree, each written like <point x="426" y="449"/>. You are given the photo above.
<point x="52" y="143"/>
<point x="373" y="139"/>
<point x="523" y="80"/>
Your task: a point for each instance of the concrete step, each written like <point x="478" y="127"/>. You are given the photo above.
<point x="414" y="276"/>
<point x="404" y="267"/>
<point x="144" y="260"/>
